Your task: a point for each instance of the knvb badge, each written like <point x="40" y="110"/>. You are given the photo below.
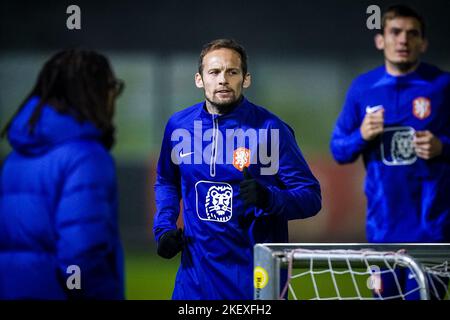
<point x="421" y="108"/>
<point x="241" y="158"/>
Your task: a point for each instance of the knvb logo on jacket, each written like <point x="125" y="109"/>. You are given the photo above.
<point x="238" y="148"/>
<point x="397" y="148"/>
<point x="214" y="201"/>
<point x="421" y="108"/>
<point x="241" y="158"/>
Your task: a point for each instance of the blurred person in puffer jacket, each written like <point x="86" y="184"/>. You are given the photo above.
<point x="59" y="236"/>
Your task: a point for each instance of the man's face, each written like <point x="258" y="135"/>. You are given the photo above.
<point x="402" y="41"/>
<point x="222" y="78"/>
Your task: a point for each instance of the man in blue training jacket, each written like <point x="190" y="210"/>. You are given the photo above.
<point x="398" y="117"/>
<point x="240" y="174"/>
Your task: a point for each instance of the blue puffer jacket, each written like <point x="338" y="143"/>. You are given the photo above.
<point x="58" y="207"/>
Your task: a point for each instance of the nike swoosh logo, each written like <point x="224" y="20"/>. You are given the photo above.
<point x="373" y="109"/>
<point x="182" y="155"/>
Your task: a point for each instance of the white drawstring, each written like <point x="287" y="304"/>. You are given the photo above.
<point x="212" y="165"/>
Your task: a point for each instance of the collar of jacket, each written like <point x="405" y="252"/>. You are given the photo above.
<point x="52" y="128"/>
<point x="238" y="111"/>
<point x="417" y="75"/>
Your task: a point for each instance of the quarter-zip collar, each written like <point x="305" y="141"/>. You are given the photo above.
<point x="416" y="76"/>
<point x="237" y="111"/>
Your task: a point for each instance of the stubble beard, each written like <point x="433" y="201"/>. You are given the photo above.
<point x="224" y="107"/>
<point x="405" y="67"/>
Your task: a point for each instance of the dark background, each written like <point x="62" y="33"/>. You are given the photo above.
<point x="331" y="28"/>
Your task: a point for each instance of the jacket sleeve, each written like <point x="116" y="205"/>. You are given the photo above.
<point x="167" y="189"/>
<point x="346" y="141"/>
<point x="86" y="226"/>
<point x="444" y="136"/>
<point x="445" y="140"/>
<point x="297" y="194"/>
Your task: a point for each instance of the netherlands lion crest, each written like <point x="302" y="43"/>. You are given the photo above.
<point x="214" y="201"/>
<point x="397" y="148"/>
<point x="241" y="158"/>
<point x="421" y="108"/>
<point x="402" y="146"/>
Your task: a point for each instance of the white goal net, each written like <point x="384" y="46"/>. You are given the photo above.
<point x="352" y="271"/>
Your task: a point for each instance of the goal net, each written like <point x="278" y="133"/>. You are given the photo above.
<point x="352" y="271"/>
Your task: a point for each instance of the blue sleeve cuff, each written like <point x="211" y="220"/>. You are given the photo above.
<point x="359" y="140"/>
<point x="445" y="147"/>
<point x="272" y="206"/>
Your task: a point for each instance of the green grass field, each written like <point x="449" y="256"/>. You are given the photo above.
<point x="304" y="288"/>
<point x="149" y="277"/>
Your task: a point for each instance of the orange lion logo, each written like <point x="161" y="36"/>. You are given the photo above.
<point x="241" y="158"/>
<point x="421" y="108"/>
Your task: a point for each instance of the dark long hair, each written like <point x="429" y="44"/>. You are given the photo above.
<point x="76" y="82"/>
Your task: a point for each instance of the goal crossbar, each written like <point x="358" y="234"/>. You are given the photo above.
<point x="271" y="258"/>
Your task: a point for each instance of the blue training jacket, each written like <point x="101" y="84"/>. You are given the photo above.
<point x="58" y="207"/>
<point x="408" y="197"/>
<point x="201" y="161"/>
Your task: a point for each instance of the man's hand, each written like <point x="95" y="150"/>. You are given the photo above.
<point x="170" y="243"/>
<point x="427" y="145"/>
<point x="253" y="193"/>
<point x="372" y="125"/>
